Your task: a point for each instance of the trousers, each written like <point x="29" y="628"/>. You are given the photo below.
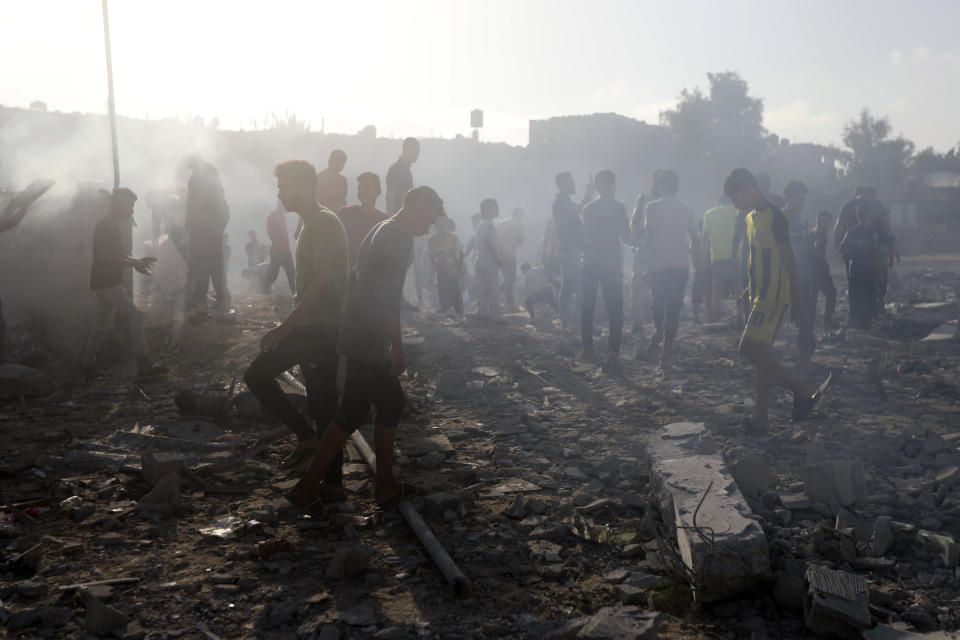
<point x="111" y="301"/>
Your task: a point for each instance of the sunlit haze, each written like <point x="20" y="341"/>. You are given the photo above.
<point x="418" y="67"/>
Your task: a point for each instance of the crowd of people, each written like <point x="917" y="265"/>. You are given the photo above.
<point x="349" y="265"/>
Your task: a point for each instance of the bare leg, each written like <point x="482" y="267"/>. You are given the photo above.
<point x="387" y="486"/>
<point x="331" y="443"/>
<point x="762" y="356"/>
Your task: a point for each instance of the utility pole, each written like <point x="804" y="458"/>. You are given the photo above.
<point x="110" y="102"/>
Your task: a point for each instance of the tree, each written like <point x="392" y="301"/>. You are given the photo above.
<point x="725" y="126"/>
<point x="874" y="158"/>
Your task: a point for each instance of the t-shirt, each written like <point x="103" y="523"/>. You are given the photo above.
<point x="323" y="238"/>
<point x="859" y="247"/>
<point x="802" y="245"/>
<point x="765" y="231"/>
<point x="510" y="233"/>
<point x="381" y="270"/>
<point x="358" y="224"/>
<point x="877" y="215"/>
<point x="534" y="281"/>
<point x="489" y="255"/>
<point x="719" y="224"/>
<point x="399" y="181"/>
<point x="107" y="268"/>
<point x="604" y="222"/>
<point x="277" y="232"/>
<point x="207" y="211"/>
<point x="668" y="227"/>
<point x="331" y="189"/>
<point x="566" y="219"/>
<point x="446" y="252"/>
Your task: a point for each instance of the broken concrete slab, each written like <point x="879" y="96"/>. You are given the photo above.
<point x="837" y="603"/>
<point x="622" y="623"/>
<point x="753" y="474"/>
<point x="680" y="476"/>
<point x="164" y="497"/>
<point x="102" y="619"/>
<point x="840" y="481"/>
<point x="882" y="536"/>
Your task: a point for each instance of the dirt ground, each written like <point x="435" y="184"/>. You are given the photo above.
<point x="536" y="455"/>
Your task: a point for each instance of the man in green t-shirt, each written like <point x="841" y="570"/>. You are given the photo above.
<point x="308" y="335"/>
<point x="717" y="253"/>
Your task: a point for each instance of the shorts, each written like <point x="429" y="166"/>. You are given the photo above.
<point x="764" y="320"/>
<point x="370" y="384"/>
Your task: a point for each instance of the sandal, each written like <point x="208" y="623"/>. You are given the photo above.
<point x="803" y="406"/>
<point x="407" y="491"/>
<point x="313" y="509"/>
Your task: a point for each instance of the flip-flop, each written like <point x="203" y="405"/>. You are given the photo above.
<point x="314" y="509"/>
<point x="802" y="407"/>
<point x="407" y="491"/>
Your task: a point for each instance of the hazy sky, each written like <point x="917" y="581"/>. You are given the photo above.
<point x="416" y="67"/>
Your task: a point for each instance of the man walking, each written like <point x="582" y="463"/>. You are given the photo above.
<point x="308" y="335"/>
<point x="372" y="342"/>
<point x="206" y="220"/>
<point x="569" y="229"/>
<point x="359" y="219"/>
<point x="280" y="255"/>
<point x="772" y="290"/>
<point x="106" y="280"/>
<point x="605" y="226"/>
<point x="510" y="234"/>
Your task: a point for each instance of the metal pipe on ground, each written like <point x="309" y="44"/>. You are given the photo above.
<point x="455" y="577"/>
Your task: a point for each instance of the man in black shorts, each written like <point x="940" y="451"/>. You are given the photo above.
<point x="370" y="339"/>
<point x="308" y="335"/>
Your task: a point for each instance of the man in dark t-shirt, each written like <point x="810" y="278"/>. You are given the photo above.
<point x="307" y="337"/>
<point x="370" y="339"/>
<point x="569" y="229"/>
<point x="206" y="220"/>
<point x="605" y="226"/>
<point x="399" y="181"/>
<point x="106" y="281"/>
<point x="331" y="185"/>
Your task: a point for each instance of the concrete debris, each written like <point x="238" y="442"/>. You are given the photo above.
<point x="621" y="623"/>
<point x="840" y="481"/>
<point x="680" y="477"/>
<point x="349" y="561"/>
<point x="102" y="619"/>
<point x="753" y="474"/>
<point x="882" y="536"/>
<point x="164" y="497"/>
<point x="837" y="603"/>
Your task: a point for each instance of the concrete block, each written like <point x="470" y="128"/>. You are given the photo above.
<point x="841" y="481"/>
<point x="680" y="471"/>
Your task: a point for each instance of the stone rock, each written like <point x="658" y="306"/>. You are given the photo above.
<point x="789" y="592"/>
<point x="164" y="497"/>
<point x="436" y="504"/>
<point x="627" y="594"/>
<point x="890" y="632"/>
<point x="360" y="615"/>
<point x="451" y="382"/>
<point x="102" y="619"/>
<point x="837" y="603"/>
<point x="110" y="539"/>
<point x="77" y="509"/>
<point x="645" y="580"/>
<point x="934" y="444"/>
<point x="754" y="475"/>
<point x="616" y="576"/>
<point x="517" y="511"/>
<point x="581" y="498"/>
<point x="30" y="588"/>
<point x="882" y="536"/>
<point x="841" y="481"/>
<point x="948" y="477"/>
<point x="349" y="561"/>
<point x="16" y="380"/>
<point x="623" y="623"/>
<point x="47" y="617"/>
<point x="553" y="571"/>
<point x="679" y="477"/>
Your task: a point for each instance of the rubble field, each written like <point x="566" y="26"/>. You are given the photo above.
<point x="576" y="503"/>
